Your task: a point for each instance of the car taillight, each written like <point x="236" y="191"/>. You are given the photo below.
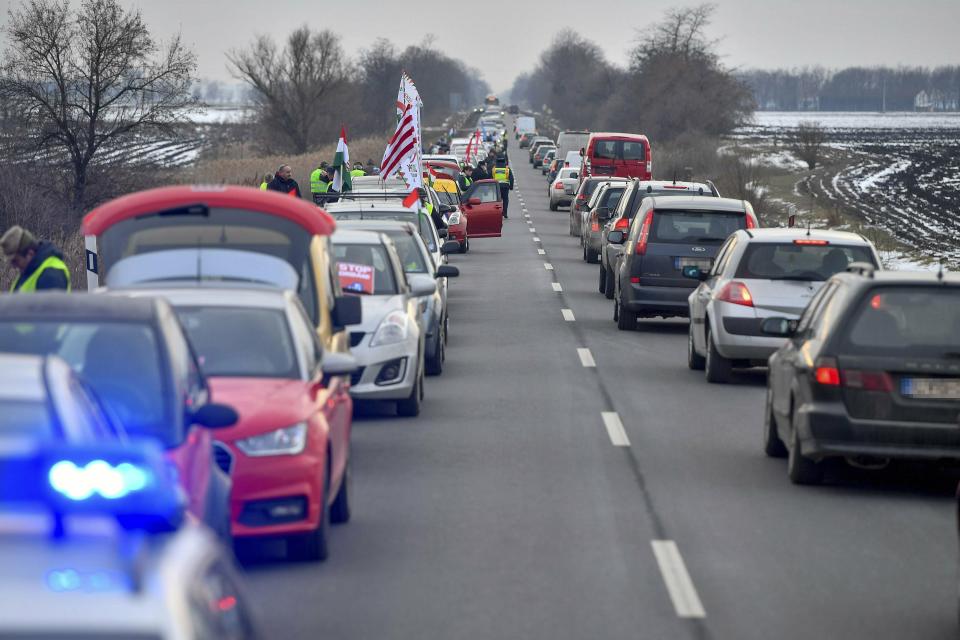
<point x="594" y="226"/>
<point x="621" y="224"/>
<point x="559" y="185"/>
<point x="649" y="167"/>
<point x="581" y="196"/>
<point x="736" y="293"/>
<point x="750" y="223"/>
<point x="634" y="280"/>
<point x="826" y="372"/>
<point x="867" y="380"/>
<point x="644" y="235"/>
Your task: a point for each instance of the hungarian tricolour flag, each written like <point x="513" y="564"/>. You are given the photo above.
<point x="341" y="164"/>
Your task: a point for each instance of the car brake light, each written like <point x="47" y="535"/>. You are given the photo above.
<point x="827" y="373"/>
<point x="634" y="280"/>
<point x="811" y="242"/>
<point x="559" y="185"/>
<point x="649" y="167"/>
<point x="867" y="380"/>
<point x="736" y="293"/>
<point x="644" y="235"/>
<point x="750" y="223"/>
<point x="594" y="226"/>
<point x="621" y="224"/>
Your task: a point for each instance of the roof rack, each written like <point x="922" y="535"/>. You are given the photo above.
<point x="864" y="269"/>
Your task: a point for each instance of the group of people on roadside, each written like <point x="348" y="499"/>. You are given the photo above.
<point x="495" y="166"/>
<point x="321" y="181"/>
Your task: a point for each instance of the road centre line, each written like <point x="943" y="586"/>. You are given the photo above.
<point x="618" y="435"/>
<point x="548" y="266"/>
<point x="541" y="252"/>
<point x="536" y="239"/>
<point x="568" y="315"/>
<point x="683" y="594"/>
<point x="586" y="358"/>
<point x="557" y="287"/>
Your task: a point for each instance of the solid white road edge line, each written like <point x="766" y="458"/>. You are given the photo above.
<point x="568" y="315"/>
<point x="618" y="436"/>
<point x="548" y="266"/>
<point x="586" y="358"/>
<point x="557" y="287"/>
<point x="683" y="594"/>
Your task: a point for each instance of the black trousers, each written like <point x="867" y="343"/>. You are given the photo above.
<point x="505" y="196"/>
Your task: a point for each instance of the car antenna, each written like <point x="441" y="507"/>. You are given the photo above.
<point x="940" y="271"/>
<point x="808" y="228"/>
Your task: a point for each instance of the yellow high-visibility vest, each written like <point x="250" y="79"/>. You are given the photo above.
<point x="30" y="284"/>
<point x="501" y="174"/>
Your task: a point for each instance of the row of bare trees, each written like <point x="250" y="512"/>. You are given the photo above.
<point x="673" y="83"/>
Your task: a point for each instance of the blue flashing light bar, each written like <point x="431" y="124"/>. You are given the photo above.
<point x="97" y="477"/>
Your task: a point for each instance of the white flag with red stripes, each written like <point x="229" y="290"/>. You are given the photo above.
<point x="402" y="155"/>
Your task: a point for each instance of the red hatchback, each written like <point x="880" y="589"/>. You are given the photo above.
<point x="289" y="452"/>
<point x="626" y="155"/>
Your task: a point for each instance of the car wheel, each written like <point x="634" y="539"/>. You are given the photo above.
<point x="695" y="361"/>
<point x="410" y="407"/>
<point x="592" y="256"/>
<point x="608" y="285"/>
<point x="340" y="509"/>
<point x="717" y="367"/>
<point x="626" y="319"/>
<point x="602" y="286"/>
<point x="313" y="547"/>
<point x="772" y="444"/>
<point x="553" y="206"/>
<point x="583" y="253"/>
<point x="800" y="469"/>
<point x="434" y="365"/>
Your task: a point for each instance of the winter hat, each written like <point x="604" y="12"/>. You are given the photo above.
<point x="16" y="240"/>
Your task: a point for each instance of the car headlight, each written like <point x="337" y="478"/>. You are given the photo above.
<point x="393" y="328"/>
<point x="288" y="441"/>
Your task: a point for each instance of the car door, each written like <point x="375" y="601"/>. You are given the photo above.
<point x="703" y="294"/>
<point x="486" y="217"/>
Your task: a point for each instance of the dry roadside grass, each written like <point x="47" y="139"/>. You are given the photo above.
<point x="236" y="167"/>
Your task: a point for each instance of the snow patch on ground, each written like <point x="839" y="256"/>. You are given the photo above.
<point x="858" y="120"/>
<point x="873" y="180"/>
<point x="782" y="160"/>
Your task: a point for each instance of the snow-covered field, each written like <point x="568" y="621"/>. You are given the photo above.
<point x="857" y="120"/>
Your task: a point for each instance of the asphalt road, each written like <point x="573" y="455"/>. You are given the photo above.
<point x="516" y="507"/>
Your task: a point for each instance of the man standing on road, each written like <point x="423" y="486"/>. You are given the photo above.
<point x="284" y="182"/>
<point x="503" y="175"/>
<point x="39" y="262"/>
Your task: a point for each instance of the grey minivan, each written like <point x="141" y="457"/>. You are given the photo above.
<point x="667" y="234"/>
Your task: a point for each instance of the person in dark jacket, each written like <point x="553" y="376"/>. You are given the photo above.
<point x="40" y="263"/>
<point x="284" y="182"/>
<point x="480" y="173"/>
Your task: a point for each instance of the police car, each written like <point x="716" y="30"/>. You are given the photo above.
<point x="93" y="537"/>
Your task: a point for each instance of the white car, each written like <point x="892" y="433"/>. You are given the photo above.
<point x="759" y="273"/>
<point x="563" y="188"/>
<point x="389" y="345"/>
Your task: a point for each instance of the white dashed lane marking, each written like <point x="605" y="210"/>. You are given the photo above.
<point x="536" y="239"/>
<point x="618" y="436"/>
<point x="541" y="252"/>
<point x="586" y="358"/>
<point x="557" y="287"/>
<point x="683" y="594"/>
<point x="568" y="315"/>
<point x="548" y="266"/>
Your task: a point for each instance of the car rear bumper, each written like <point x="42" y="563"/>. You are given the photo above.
<point x="646" y="300"/>
<point x="826" y="430"/>
<point x="740" y="338"/>
<point x="275" y="495"/>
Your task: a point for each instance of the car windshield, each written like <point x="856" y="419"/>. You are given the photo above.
<point x="120" y="360"/>
<point x="365" y="269"/>
<point x="411" y="257"/>
<point x="792" y="261"/>
<point x="215" y="333"/>
<point x="20" y="417"/>
<point x="700" y="227"/>
<point x="447" y="197"/>
<point x="914" y="321"/>
<point x="421" y="220"/>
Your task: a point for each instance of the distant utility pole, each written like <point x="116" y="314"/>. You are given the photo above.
<point x="883" y="95"/>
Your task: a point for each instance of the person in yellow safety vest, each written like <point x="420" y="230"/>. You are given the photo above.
<point x="466" y="178"/>
<point x="39" y="262"/>
<point x="503" y="175"/>
<point x="320" y="184"/>
<point x="267" y="177"/>
<point x="357" y="170"/>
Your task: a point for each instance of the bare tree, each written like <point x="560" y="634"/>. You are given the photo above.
<point x="808" y="143"/>
<point x="85" y="78"/>
<point x="290" y="86"/>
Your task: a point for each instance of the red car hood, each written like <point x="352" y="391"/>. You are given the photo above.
<point x="264" y="404"/>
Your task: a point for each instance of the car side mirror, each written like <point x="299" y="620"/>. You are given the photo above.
<point x="215" y="416"/>
<point x="335" y="364"/>
<point x="615" y="237"/>
<point x="442" y="233"/>
<point x="347" y="310"/>
<point x="779" y="327"/>
<point x="450" y="246"/>
<point x="473" y="202"/>
<point x="421" y="285"/>
<point x="447" y="271"/>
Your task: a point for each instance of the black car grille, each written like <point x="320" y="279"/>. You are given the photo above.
<point x="223" y="457"/>
<point x="356" y="375"/>
<point x="356" y="337"/>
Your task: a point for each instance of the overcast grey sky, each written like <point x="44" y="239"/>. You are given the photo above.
<point x="505" y="39"/>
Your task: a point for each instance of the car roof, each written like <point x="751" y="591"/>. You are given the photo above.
<point x="610" y="179"/>
<point x="698" y="203"/>
<point x="779" y="234"/>
<point x="617" y="136"/>
<point x="21" y="377"/>
<point x="80" y="306"/>
<point x="355" y="236"/>
<point x="367" y="205"/>
<point x="881" y="277"/>
<point x="186" y="294"/>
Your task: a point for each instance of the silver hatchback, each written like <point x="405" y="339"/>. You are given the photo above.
<point x="760" y="273"/>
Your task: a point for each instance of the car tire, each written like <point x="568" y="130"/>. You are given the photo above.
<point x="313" y="546"/>
<point x="772" y="444"/>
<point x="695" y="361"/>
<point x="340" y="509"/>
<point x="717" y="367"/>
<point x="410" y="407"/>
<point x="608" y="285"/>
<point x="602" y="286"/>
<point x="592" y="256"/>
<point x="434" y="365"/>
<point x="626" y="319"/>
<point x="800" y="469"/>
<point x="553" y="206"/>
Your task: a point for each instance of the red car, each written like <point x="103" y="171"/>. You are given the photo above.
<point x="626" y="155"/>
<point x="484" y="209"/>
<point x="449" y="194"/>
<point x="289" y="452"/>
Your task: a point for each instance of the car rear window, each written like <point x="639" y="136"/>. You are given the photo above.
<point x="634" y="151"/>
<point x="914" y="321"/>
<point x="791" y="261"/>
<point x="700" y="227"/>
<point x="215" y="333"/>
<point x="365" y="269"/>
<point x="605" y="149"/>
<point x="619" y="150"/>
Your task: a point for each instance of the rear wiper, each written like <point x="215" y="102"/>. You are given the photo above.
<point x="708" y="239"/>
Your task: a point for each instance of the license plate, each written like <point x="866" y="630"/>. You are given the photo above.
<point x="568" y="191"/>
<point x="703" y="264"/>
<point x="931" y="388"/>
